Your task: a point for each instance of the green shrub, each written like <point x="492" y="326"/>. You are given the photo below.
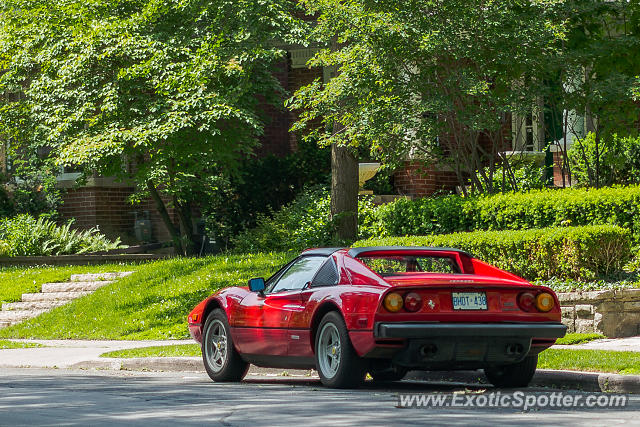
<point x="27" y="236"/>
<point x="570" y="285"/>
<point x="524" y="176"/>
<point x="304" y="223"/>
<point x="547" y="208"/>
<point x="619" y="160"/>
<point x="580" y="253"/>
<point x="445" y="214"/>
<point x="261" y="186"/>
<point x="513" y="211"/>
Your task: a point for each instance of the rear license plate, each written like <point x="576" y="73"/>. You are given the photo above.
<point x="469" y="300"/>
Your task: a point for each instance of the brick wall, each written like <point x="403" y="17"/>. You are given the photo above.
<point x="297" y="78"/>
<point x="109" y="209"/>
<point x="417" y="180"/>
<point x="106" y="207"/>
<point x="277" y="139"/>
<point x="160" y="233"/>
<point x="557" y="171"/>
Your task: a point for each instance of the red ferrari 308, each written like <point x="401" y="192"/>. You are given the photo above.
<point x="382" y="311"/>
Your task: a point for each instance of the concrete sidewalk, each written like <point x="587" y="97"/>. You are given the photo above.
<point x="69" y="353"/>
<point x="613" y="344"/>
<point x="76" y="354"/>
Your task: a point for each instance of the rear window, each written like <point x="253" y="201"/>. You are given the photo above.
<point x="388" y="265"/>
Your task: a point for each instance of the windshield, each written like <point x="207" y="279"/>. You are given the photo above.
<point x="387" y="265"/>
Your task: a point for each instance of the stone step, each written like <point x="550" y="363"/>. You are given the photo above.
<point x="53" y="296"/>
<point x="18" y="316"/>
<point x="32" y="305"/>
<point x="4" y="324"/>
<point x="94" y="277"/>
<point x="74" y="286"/>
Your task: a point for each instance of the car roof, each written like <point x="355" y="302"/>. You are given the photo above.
<point x="320" y="251"/>
<point x="355" y="252"/>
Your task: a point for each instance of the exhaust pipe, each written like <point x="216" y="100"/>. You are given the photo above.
<point x="514" y="349"/>
<point x="428" y="350"/>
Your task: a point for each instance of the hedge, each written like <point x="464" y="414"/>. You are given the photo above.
<point x="578" y="253"/>
<point x="513" y="211"/>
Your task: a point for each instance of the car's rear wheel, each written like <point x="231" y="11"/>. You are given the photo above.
<point x="390" y="374"/>
<point x="514" y="375"/>
<point x="337" y="362"/>
<point x="221" y="360"/>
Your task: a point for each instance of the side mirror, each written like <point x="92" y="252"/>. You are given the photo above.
<point x="256" y="285"/>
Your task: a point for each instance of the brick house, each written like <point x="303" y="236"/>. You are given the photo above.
<point x="103" y="202"/>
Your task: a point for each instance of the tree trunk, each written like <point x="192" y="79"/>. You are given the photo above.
<point x="162" y="210"/>
<point x="344" y="192"/>
<point x="597" y="159"/>
<point x="186" y="226"/>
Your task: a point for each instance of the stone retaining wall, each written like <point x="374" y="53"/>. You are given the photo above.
<point x="614" y="313"/>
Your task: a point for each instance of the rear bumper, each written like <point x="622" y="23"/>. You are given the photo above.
<point x="466" y="345"/>
<point x="431" y="330"/>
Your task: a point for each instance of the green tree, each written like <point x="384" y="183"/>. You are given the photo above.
<point x="599" y="66"/>
<point x="438" y="79"/>
<point x="166" y="92"/>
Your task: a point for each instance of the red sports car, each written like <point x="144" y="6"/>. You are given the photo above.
<point x="382" y="311"/>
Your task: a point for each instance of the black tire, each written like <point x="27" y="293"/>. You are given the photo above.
<point x="338" y="364"/>
<point x="393" y="373"/>
<point x="221" y="361"/>
<point x="515" y="375"/>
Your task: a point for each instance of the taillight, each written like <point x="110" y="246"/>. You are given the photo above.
<point x="542" y="302"/>
<point x="545" y="302"/>
<point x="393" y="302"/>
<point x="412" y="302"/>
<point x="527" y="301"/>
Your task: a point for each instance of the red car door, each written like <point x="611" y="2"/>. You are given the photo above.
<point x="319" y="288"/>
<point x="261" y="320"/>
<point x="261" y="323"/>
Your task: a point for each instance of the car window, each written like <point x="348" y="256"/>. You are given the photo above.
<point x="327" y="275"/>
<point x="297" y="275"/>
<point x="393" y="264"/>
<point x="275" y="276"/>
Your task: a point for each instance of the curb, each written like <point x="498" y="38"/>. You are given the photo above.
<point x="586" y="381"/>
<point x="163" y="364"/>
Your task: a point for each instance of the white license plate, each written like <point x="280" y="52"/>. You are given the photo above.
<point x="469" y="300"/>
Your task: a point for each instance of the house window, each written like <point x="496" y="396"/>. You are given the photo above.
<point x="528" y="131"/>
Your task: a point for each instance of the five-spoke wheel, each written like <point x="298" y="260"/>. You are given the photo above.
<point x="337" y="362"/>
<point x="221" y="360"/>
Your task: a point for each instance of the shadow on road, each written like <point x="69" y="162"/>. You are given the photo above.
<point x="40" y="397"/>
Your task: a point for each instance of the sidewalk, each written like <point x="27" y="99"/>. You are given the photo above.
<point x="76" y="354"/>
<point x="613" y="344"/>
<point x="71" y="353"/>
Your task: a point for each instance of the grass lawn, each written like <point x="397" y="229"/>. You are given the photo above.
<point x="152" y="303"/>
<point x="577" y="338"/>
<point x="181" y="350"/>
<point x="5" y="344"/>
<point x="15" y="281"/>
<point x="619" y="362"/>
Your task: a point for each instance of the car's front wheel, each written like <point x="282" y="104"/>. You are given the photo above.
<point x="337" y="362"/>
<point x="515" y="375"/>
<point x="221" y="360"/>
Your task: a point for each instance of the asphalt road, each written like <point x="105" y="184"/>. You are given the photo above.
<point x="36" y="397"/>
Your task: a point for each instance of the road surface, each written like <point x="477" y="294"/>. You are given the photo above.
<point x="37" y="397"/>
